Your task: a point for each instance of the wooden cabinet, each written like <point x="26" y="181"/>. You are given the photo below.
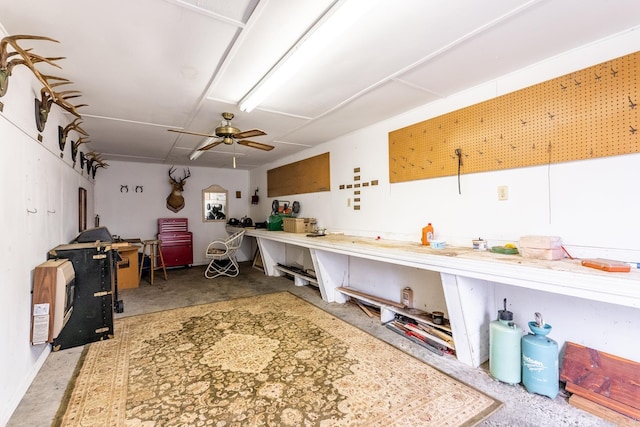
<point x="53" y="292"/>
<point x="128" y="267"/>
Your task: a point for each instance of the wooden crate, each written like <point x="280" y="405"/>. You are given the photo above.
<point x="603" y="378"/>
<point x="298" y="225"/>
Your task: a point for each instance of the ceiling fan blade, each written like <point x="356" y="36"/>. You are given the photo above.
<point x="249" y="133"/>
<point x="191" y="133"/>
<point x="210" y="146"/>
<point x="257" y="145"/>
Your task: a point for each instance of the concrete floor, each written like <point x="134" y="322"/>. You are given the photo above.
<point x="188" y="287"/>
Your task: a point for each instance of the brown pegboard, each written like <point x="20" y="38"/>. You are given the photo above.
<point x="586" y="114"/>
<point x="305" y="176"/>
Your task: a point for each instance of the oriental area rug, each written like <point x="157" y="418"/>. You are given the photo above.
<point x="269" y="360"/>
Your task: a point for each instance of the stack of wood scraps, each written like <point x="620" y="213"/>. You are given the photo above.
<point x="422" y="334"/>
<point x="368" y="309"/>
<point x="417" y="325"/>
<point x="606" y="385"/>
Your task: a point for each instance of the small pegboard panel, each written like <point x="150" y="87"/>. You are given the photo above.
<point x="305" y="176"/>
<point x="585" y="114"/>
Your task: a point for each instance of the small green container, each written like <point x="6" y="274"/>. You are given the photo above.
<point x="503" y="250"/>
<point x="274" y="223"/>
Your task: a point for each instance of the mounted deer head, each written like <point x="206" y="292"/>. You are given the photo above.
<point x="74" y="151"/>
<point x="175" y="201"/>
<point x="96" y="166"/>
<point x="94" y="162"/>
<point x="64" y="132"/>
<point x="49" y="97"/>
<point x="26" y="57"/>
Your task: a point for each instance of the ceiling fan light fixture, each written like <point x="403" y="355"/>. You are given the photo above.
<point x="336" y="21"/>
<point x="226" y="130"/>
<point x="227" y="134"/>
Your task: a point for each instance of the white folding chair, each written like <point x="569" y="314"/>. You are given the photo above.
<point x="222" y="254"/>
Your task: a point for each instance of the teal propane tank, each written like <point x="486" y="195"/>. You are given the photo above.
<point x="504" y="348"/>
<point x="540" y="372"/>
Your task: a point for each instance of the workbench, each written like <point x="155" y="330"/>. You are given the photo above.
<point x="473" y="283"/>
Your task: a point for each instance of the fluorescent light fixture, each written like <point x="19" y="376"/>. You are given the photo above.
<point x="197" y="153"/>
<point x="331" y="26"/>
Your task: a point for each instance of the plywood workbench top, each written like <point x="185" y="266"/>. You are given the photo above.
<point x="564" y="276"/>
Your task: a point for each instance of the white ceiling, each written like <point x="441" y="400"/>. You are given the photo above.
<point x="144" y="66"/>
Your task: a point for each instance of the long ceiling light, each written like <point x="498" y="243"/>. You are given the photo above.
<point x="333" y="23"/>
<point x="197" y="152"/>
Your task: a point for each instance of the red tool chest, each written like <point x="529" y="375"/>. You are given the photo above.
<point x="177" y="241"/>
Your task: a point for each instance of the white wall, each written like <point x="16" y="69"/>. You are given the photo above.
<point x="593" y="205"/>
<point x="34" y="178"/>
<point x="131" y="215"/>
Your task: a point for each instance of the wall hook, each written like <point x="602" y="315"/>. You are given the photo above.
<point x="32" y="211"/>
<point x="139" y="187"/>
<point x="51" y="212"/>
<point x="124" y="188"/>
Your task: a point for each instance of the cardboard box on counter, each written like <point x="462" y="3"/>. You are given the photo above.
<point x="299" y="225"/>
<point x="541" y="247"/>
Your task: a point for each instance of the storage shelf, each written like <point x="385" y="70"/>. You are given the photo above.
<point x="297" y="274"/>
<point x="388" y="310"/>
<point x="469" y="279"/>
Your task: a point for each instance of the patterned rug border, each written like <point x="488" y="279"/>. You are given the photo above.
<point x="78" y="368"/>
<point x="66" y="397"/>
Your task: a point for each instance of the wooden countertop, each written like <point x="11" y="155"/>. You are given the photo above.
<point x="567" y="277"/>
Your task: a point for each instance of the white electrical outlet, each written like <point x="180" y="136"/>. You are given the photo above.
<point x="503" y="192"/>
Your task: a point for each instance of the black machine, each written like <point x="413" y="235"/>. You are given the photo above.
<point x="96" y="288"/>
<point x="94" y="234"/>
<point x="102" y="234"/>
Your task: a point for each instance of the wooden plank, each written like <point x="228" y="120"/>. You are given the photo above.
<point x="604" y="378"/>
<point x="603" y="400"/>
<point x="357" y="293"/>
<point x="363" y="308"/>
<point x="602" y="412"/>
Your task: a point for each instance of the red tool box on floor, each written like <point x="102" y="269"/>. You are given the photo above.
<point x="177" y="241"/>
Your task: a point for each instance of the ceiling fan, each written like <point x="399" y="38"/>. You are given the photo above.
<point x="229" y="135"/>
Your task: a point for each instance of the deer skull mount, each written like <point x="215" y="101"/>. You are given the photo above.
<point x="47" y="98"/>
<point x="20" y="56"/>
<point x="64" y="132"/>
<point x="74" y="151"/>
<point x="93" y="163"/>
<point x="175" y="201"/>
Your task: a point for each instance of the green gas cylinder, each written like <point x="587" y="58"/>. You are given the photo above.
<point x="505" y="348"/>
